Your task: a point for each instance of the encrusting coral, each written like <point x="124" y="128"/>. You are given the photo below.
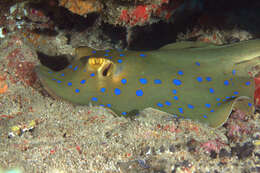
<point x="81" y="7"/>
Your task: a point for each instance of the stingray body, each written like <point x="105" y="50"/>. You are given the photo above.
<point x="194" y="80"/>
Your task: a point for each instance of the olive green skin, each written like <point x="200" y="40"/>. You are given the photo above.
<point x="184" y="61"/>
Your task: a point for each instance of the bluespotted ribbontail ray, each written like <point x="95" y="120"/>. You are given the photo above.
<point x="194" y="80"/>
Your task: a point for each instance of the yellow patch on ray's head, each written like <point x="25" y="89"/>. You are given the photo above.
<point x="104" y="67"/>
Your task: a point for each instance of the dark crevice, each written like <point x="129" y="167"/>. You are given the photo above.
<point x="154" y="36"/>
<point x="55" y="63"/>
<point x="46" y="32"/>
<point x="115" y="33"/>
<point x="63" y="18"/>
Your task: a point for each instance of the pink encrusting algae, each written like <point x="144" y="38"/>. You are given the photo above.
<point x="212" y="145"/>
<point x="139" y="15"/>
<point x="257" y="91"/>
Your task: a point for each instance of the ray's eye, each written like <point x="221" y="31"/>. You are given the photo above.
<point x="104" y="67"/>
<point x="107" y="69"/>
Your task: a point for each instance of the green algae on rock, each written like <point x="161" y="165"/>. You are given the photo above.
<point x="193" y="80"/>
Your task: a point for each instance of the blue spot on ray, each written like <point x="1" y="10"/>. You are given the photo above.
<point x="92" y="74"/>
<point x="233" y="72"/>
<point x="107" y="50"/>
<point x="119" y="60"/>
<point x="207" y="105"/>
<point x="176" y="98"/>
<point x="208" y="79"/>
<point x="181" y="110"/>
<point x="121" y="55"/>
<point x="62" y="74"/>
<point x="205" y="116"/>
<point x="139" y="92"/>
<point x="70" y="66"/>
<point x="190" y="106"/>
<point x="197" y="63"/>
<point x="58" y="81"/>
<point x="83" y="81"/>
<point x="218" y="99"/>
<point x="199" y="79"/>
<point x="248" y="83"/>
<point x="123" y="81"/>
<point x="142" y="55"/>
<point x="93" y="51"/>
<point x="102" y="90"/>
<point x="180" y="72"/>
<point x="117" y="91"/>
<point x="211" y="90"/>
<point x="77" y="90"/>
<point x="168" y="103"/>
<point x="212" y="110"/>
<point x="123" y="113"/>
<point x="143" y="81"/>
<point x="176" y="81"/>
<point x="236" y="93"/>
<point x="226" y="82"/>
<point x="106" y="54"/>
<point x="157" y="81"/>
<point x="249" y="104"/>
<point x="160" y="104"/>
<point x="69" y="83"/>
<point x="108" y="105"/>
<point x="94" y="99"/>
<point x="174" y="91"/>
<point x="75" y="68"/>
